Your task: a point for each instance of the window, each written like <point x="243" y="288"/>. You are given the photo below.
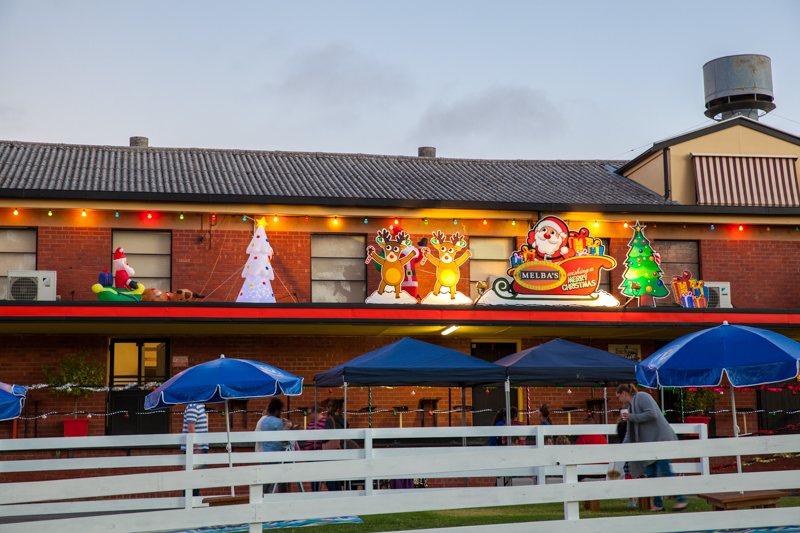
<point x="136" y="362"/>
<point x="149" y="253"/>
<point x="338" y="270"/>
<point x="17" y="252"/>
<point x="677" y="256"/>
<point x="490" y="257"/>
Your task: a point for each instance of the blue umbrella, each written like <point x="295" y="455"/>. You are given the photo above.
<point x="749" y="356"/>
<point x="222" y="380"/>
<point x="12" y="398"/>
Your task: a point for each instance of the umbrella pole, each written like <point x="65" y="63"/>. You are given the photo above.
<point x="735" y="429"/>
<point x="228" y="446"/>
<point x="605" y="405"/>
<point x="464" y="418"/>
<point x="345" y="406"/>
<point x="508" y="408"/>
<point x="370" y="406"/>
<point x="316" y="404"/>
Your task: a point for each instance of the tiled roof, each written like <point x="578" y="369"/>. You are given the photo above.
<point x="57" y="170"/>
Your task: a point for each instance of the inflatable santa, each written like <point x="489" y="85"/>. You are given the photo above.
<point x="123" y="271"/>
<point x="549" y="238"/>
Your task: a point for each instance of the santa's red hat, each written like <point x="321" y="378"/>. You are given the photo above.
<point x="119" y="253"/>
<point x="553" y="222"/>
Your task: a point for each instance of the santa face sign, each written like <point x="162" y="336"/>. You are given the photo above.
<point x="556" y="266"/>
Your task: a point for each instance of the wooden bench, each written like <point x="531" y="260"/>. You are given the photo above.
<point x="725" y="501"/>
<point x="217" y="501"/>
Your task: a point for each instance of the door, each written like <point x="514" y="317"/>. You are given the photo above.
<point x="485" y="406"/>
<point x="136" y="362"/>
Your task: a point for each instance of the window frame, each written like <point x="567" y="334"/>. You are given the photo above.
<point x="171" y="254"/>
<point x="4" y="279"/>
<point x="669" y="301"/>
<point x="472" y="260"/>
<point x="311" y="280"/>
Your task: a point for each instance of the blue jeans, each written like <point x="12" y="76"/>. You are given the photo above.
<point x="662" y="468"/>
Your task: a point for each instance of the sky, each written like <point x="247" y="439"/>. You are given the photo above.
<point x="479" y="80"/>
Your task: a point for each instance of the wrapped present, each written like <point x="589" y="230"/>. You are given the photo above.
<point x="701" y="302"/>
<point x="687" y="300"/>
<point x="598" y="249"/>
<point x="679" y="288"/>
<point x="578" y="243"/>
<point x="700" y="291"/>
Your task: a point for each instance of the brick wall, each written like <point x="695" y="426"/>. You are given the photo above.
<point x="77" y="254"/>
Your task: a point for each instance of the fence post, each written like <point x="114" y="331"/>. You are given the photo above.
<point x="541" y="478"/>
<point x="705" y="470"/>
<point x="368" y="455"/>
<point x="256" y="497"/>
<point x="571" y="509"/>
<point x="188" y="497"/>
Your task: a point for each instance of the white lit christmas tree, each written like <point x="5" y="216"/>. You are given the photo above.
<point x="257" y="272"/>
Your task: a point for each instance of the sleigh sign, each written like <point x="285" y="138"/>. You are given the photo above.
<point x="556" y="266"/>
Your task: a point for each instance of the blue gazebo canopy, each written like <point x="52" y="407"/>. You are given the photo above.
<point x="566" y="364"/>
<point x="12" y="398"/>
<point x="412" y="362"/>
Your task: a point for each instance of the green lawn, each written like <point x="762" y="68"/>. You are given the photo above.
<point x="496" y="515"/>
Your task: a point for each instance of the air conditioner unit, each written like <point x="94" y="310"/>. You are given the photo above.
<point x="32" y="285"/>
<point x="719" y="293"/>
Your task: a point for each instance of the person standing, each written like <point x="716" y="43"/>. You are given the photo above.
<point x="646" y="423"/>
<point x="195" y="420"/>
<point x="271" y="421"/>
<point x="316" y="421"/>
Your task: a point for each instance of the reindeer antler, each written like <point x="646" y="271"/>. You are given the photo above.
<point x="384" y="236"/>
<point x="455" y="238"/>
<point x="438" y="237"/>
<point x="402" y="237"/>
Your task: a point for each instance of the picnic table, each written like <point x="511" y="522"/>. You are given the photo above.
<point x="725" y="501"/>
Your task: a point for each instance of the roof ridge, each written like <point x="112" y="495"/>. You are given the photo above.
<point x="357" y="155"/>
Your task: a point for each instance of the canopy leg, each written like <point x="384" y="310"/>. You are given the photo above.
<point x="228" y="446"/>
<point x="370" y="406"/>
<point x="344" y="414"/>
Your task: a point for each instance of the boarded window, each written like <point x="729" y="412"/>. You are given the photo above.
<point x="17" y="252"/>
<point x="677" y="256"/>
<point x="338" y="270"/>
<point x="490" y="257"/>
<point x="149" y="253"/>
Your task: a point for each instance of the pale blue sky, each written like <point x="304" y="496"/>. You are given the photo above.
<point x="516" y="80"/>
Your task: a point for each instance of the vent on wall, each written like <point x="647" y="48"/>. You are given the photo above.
<point x="31" y="285"/>
<point x="719" y="293"/>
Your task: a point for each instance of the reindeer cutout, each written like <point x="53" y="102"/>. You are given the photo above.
<point x="393" y="269"/>
<point x="447" y="266"/>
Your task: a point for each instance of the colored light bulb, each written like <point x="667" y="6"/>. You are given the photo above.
<point x="596" y="224"/>
<point x="49" y="212"/>
<point x="484" y="221"/>
<point x="455" y="221"/>
<point x="275" y="218"/>
<point x="16" y="212"/>
<point x="741" y="228"/>
<point x="712" y="227"/>
<point x="425" y="221"/>
<point x="306" y="219"/>
<point x="83" y="214"/>
<point x="116" y="214"/>
<point x="244" y="218"/>
<point x="366" y="221"/>
<point x="335" y="220"/>
<point x="396" y="221"/>
<point x="181" y="215"/>
<point x="149" y="214"/>
<point x="214" y="217"/>
<point x="514" y="222"/>
<point x="625" y="225"/>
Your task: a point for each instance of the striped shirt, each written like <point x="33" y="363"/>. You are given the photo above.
<point x="195" y="413"/>
<point x="314" y="444"/>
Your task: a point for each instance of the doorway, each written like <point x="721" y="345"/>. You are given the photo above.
<point x="136" y="362"/>
<point x="485" y="405"/>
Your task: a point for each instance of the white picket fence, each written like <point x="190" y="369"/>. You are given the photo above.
<point x="373" y="463"/>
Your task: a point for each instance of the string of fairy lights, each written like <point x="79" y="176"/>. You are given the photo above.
<point x="337" y="219"/>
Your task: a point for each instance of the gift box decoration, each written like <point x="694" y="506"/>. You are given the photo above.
<point x="687" y="300"/>
<point x="701" y="302"/>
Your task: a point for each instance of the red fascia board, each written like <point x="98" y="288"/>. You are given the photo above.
<point x="399" y="316"/>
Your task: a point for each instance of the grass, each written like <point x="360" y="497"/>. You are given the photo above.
<point x="497" y="515"/>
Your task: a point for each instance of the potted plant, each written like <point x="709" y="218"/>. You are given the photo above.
<point x="75" y="369"/>
<point x="697" y="402"/>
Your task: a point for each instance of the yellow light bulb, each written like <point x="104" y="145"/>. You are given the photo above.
<point x="84" y="213"/>
<point x="275" y="219"/>
<point x="16" y="212"/>
<point x="335" y="220"/>
<point x="596" y="224"/>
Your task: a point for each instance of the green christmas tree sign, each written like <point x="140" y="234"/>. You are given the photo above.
<point x="642" y="276"/>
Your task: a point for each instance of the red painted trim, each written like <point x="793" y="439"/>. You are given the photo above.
<point x="366" y="315"/>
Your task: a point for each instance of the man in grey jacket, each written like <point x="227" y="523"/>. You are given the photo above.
<point x="646" y="423"/>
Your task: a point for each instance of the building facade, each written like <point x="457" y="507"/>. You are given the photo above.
<point x="720" y="203"/>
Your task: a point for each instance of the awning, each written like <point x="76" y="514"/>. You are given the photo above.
<point x="746" y="180"/>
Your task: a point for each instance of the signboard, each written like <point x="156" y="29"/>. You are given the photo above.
<point x="180" y="361"/>
<point x="556" y="266"/>
<point x="631" y="351"/>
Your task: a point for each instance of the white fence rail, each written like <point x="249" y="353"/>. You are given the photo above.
<point x="371" y="463"/>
